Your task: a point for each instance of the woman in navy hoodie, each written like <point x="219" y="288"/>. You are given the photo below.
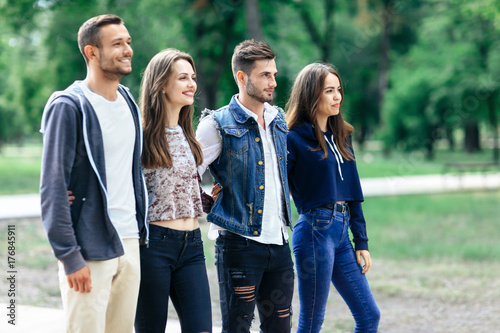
<point x="325" y="186"/>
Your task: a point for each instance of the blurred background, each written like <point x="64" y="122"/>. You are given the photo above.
<point x="421" y="81"/>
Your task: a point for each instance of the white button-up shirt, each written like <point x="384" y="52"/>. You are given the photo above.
<point x="273" y="222"/>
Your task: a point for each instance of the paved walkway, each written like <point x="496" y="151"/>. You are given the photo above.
<point x="44" y="320"/>
<point x="31" y="319"/>
<point x="22" y="206"/>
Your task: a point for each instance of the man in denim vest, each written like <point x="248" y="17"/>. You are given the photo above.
<point x="244" y="144"/>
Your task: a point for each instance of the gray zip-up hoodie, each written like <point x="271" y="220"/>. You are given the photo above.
<point x="73" y="159"/>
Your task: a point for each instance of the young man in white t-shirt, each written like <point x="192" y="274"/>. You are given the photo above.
<point x="92" y="146"/>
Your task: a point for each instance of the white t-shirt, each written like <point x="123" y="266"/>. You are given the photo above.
<point x="118" y="135"/>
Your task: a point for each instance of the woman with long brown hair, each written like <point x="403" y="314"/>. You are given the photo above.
<point x="173" y="263"/>
<point x="326" y="190"/>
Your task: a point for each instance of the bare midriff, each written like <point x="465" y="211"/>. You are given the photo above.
<point x="186" y="224"/>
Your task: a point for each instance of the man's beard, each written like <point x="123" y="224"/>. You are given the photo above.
<point x="113" y="72"/>
<point x="256" y="94"/>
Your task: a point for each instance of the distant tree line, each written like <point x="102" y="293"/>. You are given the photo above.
<point x="414" y="71"/>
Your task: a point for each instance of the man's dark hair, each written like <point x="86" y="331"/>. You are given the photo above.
<point x="247" y="52"/>
<point x="88" y="34"/>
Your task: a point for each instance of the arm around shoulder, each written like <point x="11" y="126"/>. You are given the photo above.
<point x="210" y="141"/>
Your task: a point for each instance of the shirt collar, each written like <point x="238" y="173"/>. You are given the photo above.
<point x="269" y="111"/>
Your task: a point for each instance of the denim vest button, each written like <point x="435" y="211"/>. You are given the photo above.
<point x="259" y="211"/>
<point x="257" y="139"/>
<point x="255" y="232"/>
<point x="261" y="187"/>
<point x="260" y="162"/>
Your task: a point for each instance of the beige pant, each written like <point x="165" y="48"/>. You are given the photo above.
<point x="111" y="305"/>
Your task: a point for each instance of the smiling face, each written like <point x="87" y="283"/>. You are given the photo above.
<point x="181" y="85"/>
<point x="114" y="54"/>
<point x="262" y="81"/>
<point x="329" y="101"/>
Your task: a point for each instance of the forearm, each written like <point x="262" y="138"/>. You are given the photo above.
<point x="358" y="226"/>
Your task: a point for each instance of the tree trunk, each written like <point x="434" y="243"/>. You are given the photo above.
<point x="323" y="42"/>
<point x="429" y="142"/>
<point x="329" y="32"/>
<point x="471" y="143"/>
<point x="450" y="138"/>
<point x="385" y="48"/>
<point x="211" y="66"/>
<point x="253" y="21"/>
<point x="494" y="123"/>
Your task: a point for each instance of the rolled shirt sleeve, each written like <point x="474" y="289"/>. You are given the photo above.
<point x="210" y="141"/>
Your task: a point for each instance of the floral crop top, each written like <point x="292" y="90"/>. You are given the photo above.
<point x="174" y="191"/>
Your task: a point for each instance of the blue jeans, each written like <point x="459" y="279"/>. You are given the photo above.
<point x="324" y="253"/>
<point x="251" y="273"/>
<point x="173" y="265"/>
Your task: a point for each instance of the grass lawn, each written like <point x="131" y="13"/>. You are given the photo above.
<point x="20" y="169"/>
<point x="20" y="166"/>
<point x="435" y="265"/>
<point x="458" y="226"/>
<point x="375" y="164"/>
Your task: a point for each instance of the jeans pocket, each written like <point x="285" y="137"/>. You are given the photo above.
<point x="321" y="223"/>
<point x="156" y="237"/>
<point x="316" y="221"/>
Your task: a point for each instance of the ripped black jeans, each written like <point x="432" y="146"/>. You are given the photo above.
<point x="251" y="273"/>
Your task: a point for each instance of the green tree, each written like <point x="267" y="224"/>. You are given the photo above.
<point x="444" y="82"/>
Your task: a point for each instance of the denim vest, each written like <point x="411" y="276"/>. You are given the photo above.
<point x="240" y="171"/>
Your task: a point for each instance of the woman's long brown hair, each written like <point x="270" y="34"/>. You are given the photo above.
<point x="303" y="107"/>
<point x="153" y="105"/>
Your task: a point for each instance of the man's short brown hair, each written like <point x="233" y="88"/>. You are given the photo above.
<point x="88" y="34"/>
<point x="246" y="53"/>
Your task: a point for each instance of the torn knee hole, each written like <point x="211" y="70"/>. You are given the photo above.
<point x="284" y="313"/>
<point x="245" y="293"/>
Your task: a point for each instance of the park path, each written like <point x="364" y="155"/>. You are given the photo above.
<point x="41" y="320"/>
<point x="25" y="206"/>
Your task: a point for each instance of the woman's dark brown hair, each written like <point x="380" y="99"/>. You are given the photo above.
<point x="303" y="107"/>
<point x="153" y="104"/>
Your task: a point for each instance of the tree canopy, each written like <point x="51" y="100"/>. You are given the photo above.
<point x="414" y="72"/>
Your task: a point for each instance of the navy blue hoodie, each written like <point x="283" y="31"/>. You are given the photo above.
<point x="315" y="181"/>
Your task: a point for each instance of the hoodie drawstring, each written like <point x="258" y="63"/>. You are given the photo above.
<point x="337" y="155"/>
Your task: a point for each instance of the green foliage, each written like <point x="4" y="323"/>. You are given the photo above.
<point x="444" y="81"/>
<point x="444" y="57"/>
